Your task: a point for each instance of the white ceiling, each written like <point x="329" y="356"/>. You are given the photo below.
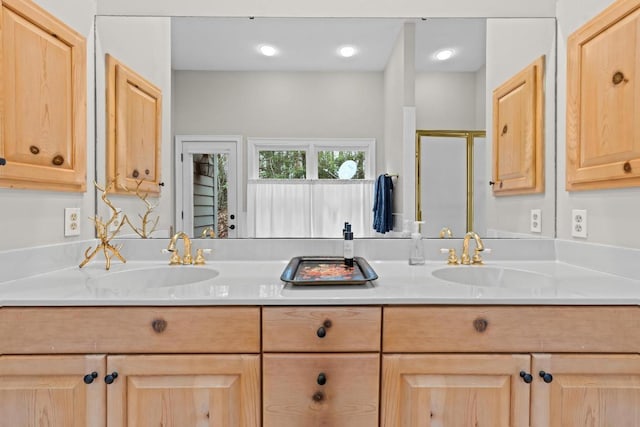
<point x="310" y="44"/>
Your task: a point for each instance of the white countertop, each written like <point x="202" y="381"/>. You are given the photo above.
<point x="258" y="283"/>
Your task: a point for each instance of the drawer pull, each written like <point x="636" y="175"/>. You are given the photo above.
<point x="546" y="377"/>
<point x="135" y="173"/>
<point x="88" y="379"/>
<point x="322" y="330"/>
<point x="57" y="160"/>
<point x="618" y="77"/>
<point x="526" y="377"/>
<point x="480" y="324"/>
<point x="318" y="396"/>
<point x="322" y="378"/>
<point x="159" y="325"/>
<point x="626" y="167"/>
<point x="34" y="149"/>
<point x="111" y="377"/>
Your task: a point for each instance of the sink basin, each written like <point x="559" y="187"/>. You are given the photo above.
<point x="493" y="277"/>
<point x="152" y="277"/>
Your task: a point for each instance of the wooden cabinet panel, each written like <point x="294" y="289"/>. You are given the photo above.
<point x="603" y="100"/>
<point x="311" y="329"/>
<point x="594" y="390"/>
<point x="130" y="330"/>
<point x="180" y="390"/>
<point x="49" y="390"/>
<point x="134" y="129"/>
<point x="511" y="329"/>
<point x="455" y="390"/>
<point x="518" y="133"/>
<point x="42" y="100"/>
<point x="295" y="395"/>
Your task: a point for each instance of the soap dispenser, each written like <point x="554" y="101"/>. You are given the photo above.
<point x="348" y="245"/>
<point x="416" y="254"/>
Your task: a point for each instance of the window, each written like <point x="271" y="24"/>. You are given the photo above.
<point x="349" y="158"/>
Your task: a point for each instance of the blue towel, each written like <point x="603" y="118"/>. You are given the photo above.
<point x="383" y="204"/>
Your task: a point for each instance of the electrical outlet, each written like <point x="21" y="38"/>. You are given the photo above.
<point x="536" y="221"/>
<point x="71" y="222"/>
<point x="579" y="223"/>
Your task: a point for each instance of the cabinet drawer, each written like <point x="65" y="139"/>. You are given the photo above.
<point x="511" y="329"/>
<point x="321" y="328"/>
<point x="320" y="389"/>
<point x="130" y="330"/>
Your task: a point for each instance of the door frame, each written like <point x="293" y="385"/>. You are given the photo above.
<point x="184" y="176"/>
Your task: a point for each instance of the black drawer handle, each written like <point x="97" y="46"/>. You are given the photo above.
<point x="159" y="325"/>
<point x="322" y="330"/>
<point x="322" y="378"/>
<point x="480" y="324"/>
<point x="546" y="377"/>
<point x="318" y="396"/>
<point x="88" y="379"/>
<point x="109" y="379"/>
<point x="526" y="377"/>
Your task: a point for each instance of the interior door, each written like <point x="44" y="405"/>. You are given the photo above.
<point x="207" y="179"/>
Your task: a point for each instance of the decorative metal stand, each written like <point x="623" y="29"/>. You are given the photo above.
<point x="145" y="221"/>
<point x="102" y="230"/>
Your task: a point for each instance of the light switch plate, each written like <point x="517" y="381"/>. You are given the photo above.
<point x="579" y="223"/>
<point x="536" y="221"/>
<point x="71" y="222"/>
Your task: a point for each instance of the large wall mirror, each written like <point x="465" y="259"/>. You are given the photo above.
<point x="317" y="107"/>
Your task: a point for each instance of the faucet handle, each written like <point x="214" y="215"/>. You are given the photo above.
<point x="175" y="257"/>
<point x="200" y="256"/>
<point x="453" y="258"/>
<point x="477" y="259"/>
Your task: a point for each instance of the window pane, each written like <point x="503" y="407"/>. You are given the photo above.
<point x="341" y="164"/>
<point x="289" y="164"/>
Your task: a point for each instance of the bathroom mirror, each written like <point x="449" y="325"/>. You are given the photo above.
<point x="306" y="91"/>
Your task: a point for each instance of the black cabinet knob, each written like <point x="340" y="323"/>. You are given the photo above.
<point x="526" y="377"/>
<point x="322" y="332"/>
<point x="111" y="377"/>
<point x="546" y="377"/>
<point x="233" y="227"/>
<point x="322" y="378"/>
<point x="318" y="396"/>
<point x="88" y="379"/>
<point x="232" y="216"/>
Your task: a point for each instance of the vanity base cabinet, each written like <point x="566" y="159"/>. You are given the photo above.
<point x="184" y="390"/>
<point x="586" y="389"/>
<point x="454" y="390"/>
<point x="40" y="391"/>
<point x="338" y="390"/>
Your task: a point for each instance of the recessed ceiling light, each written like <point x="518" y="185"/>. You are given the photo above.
<point x="444" y="54"/>
<point x="347" y="51"/>
<point x="267" y="50"/>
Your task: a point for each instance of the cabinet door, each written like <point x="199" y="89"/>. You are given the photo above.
<point x="586" y="390"/>
<point x="455" y="390"/>
<point x="42" y="100"/>
<point x="603" y="100"/>
<point x="180" y="390"/>
<point x="51" y="391"/>
<point x="330" y="389"/>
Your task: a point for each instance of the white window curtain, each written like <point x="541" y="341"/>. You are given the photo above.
<point x="309" y="208"/>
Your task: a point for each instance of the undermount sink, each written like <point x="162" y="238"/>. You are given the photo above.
<point x="152" y="277"/>
<point x="493" y="277"/>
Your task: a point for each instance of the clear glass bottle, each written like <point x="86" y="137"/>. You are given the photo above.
<point x="416" y="251"/>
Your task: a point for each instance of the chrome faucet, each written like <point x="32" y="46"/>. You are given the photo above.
<point x="175" y="258"/>
<point x="465" y="258"/>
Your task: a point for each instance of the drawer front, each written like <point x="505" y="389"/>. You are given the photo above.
<point x="57" y="330"/>
<point x="511" y="329"/>
<point x="320" y="389"/>
<point x="312" y="329"/>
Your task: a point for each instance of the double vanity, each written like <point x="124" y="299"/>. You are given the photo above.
<point x="540" y="342"/>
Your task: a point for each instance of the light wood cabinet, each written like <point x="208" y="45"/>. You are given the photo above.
<point x="306" y="381"/>
<point x="603" y="100"/>
<point x="518" y="133"/>
<point x="43" y="91"/>
<point x="134" y="129"/>
<point x="51" y="391"/>
<point x="594" y="379"/>
<point x="454" y="390"/>
<point x="189" y="386"/>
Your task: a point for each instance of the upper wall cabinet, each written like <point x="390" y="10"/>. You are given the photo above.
<point x="42" y="100"/>
<point x="134" y="120"/>
<point x="518" y="129"/>
<point x="603" y="100"/>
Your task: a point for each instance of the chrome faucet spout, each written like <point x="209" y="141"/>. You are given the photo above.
<point x="466" y="259"/>
<point x="188" y="258"/>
